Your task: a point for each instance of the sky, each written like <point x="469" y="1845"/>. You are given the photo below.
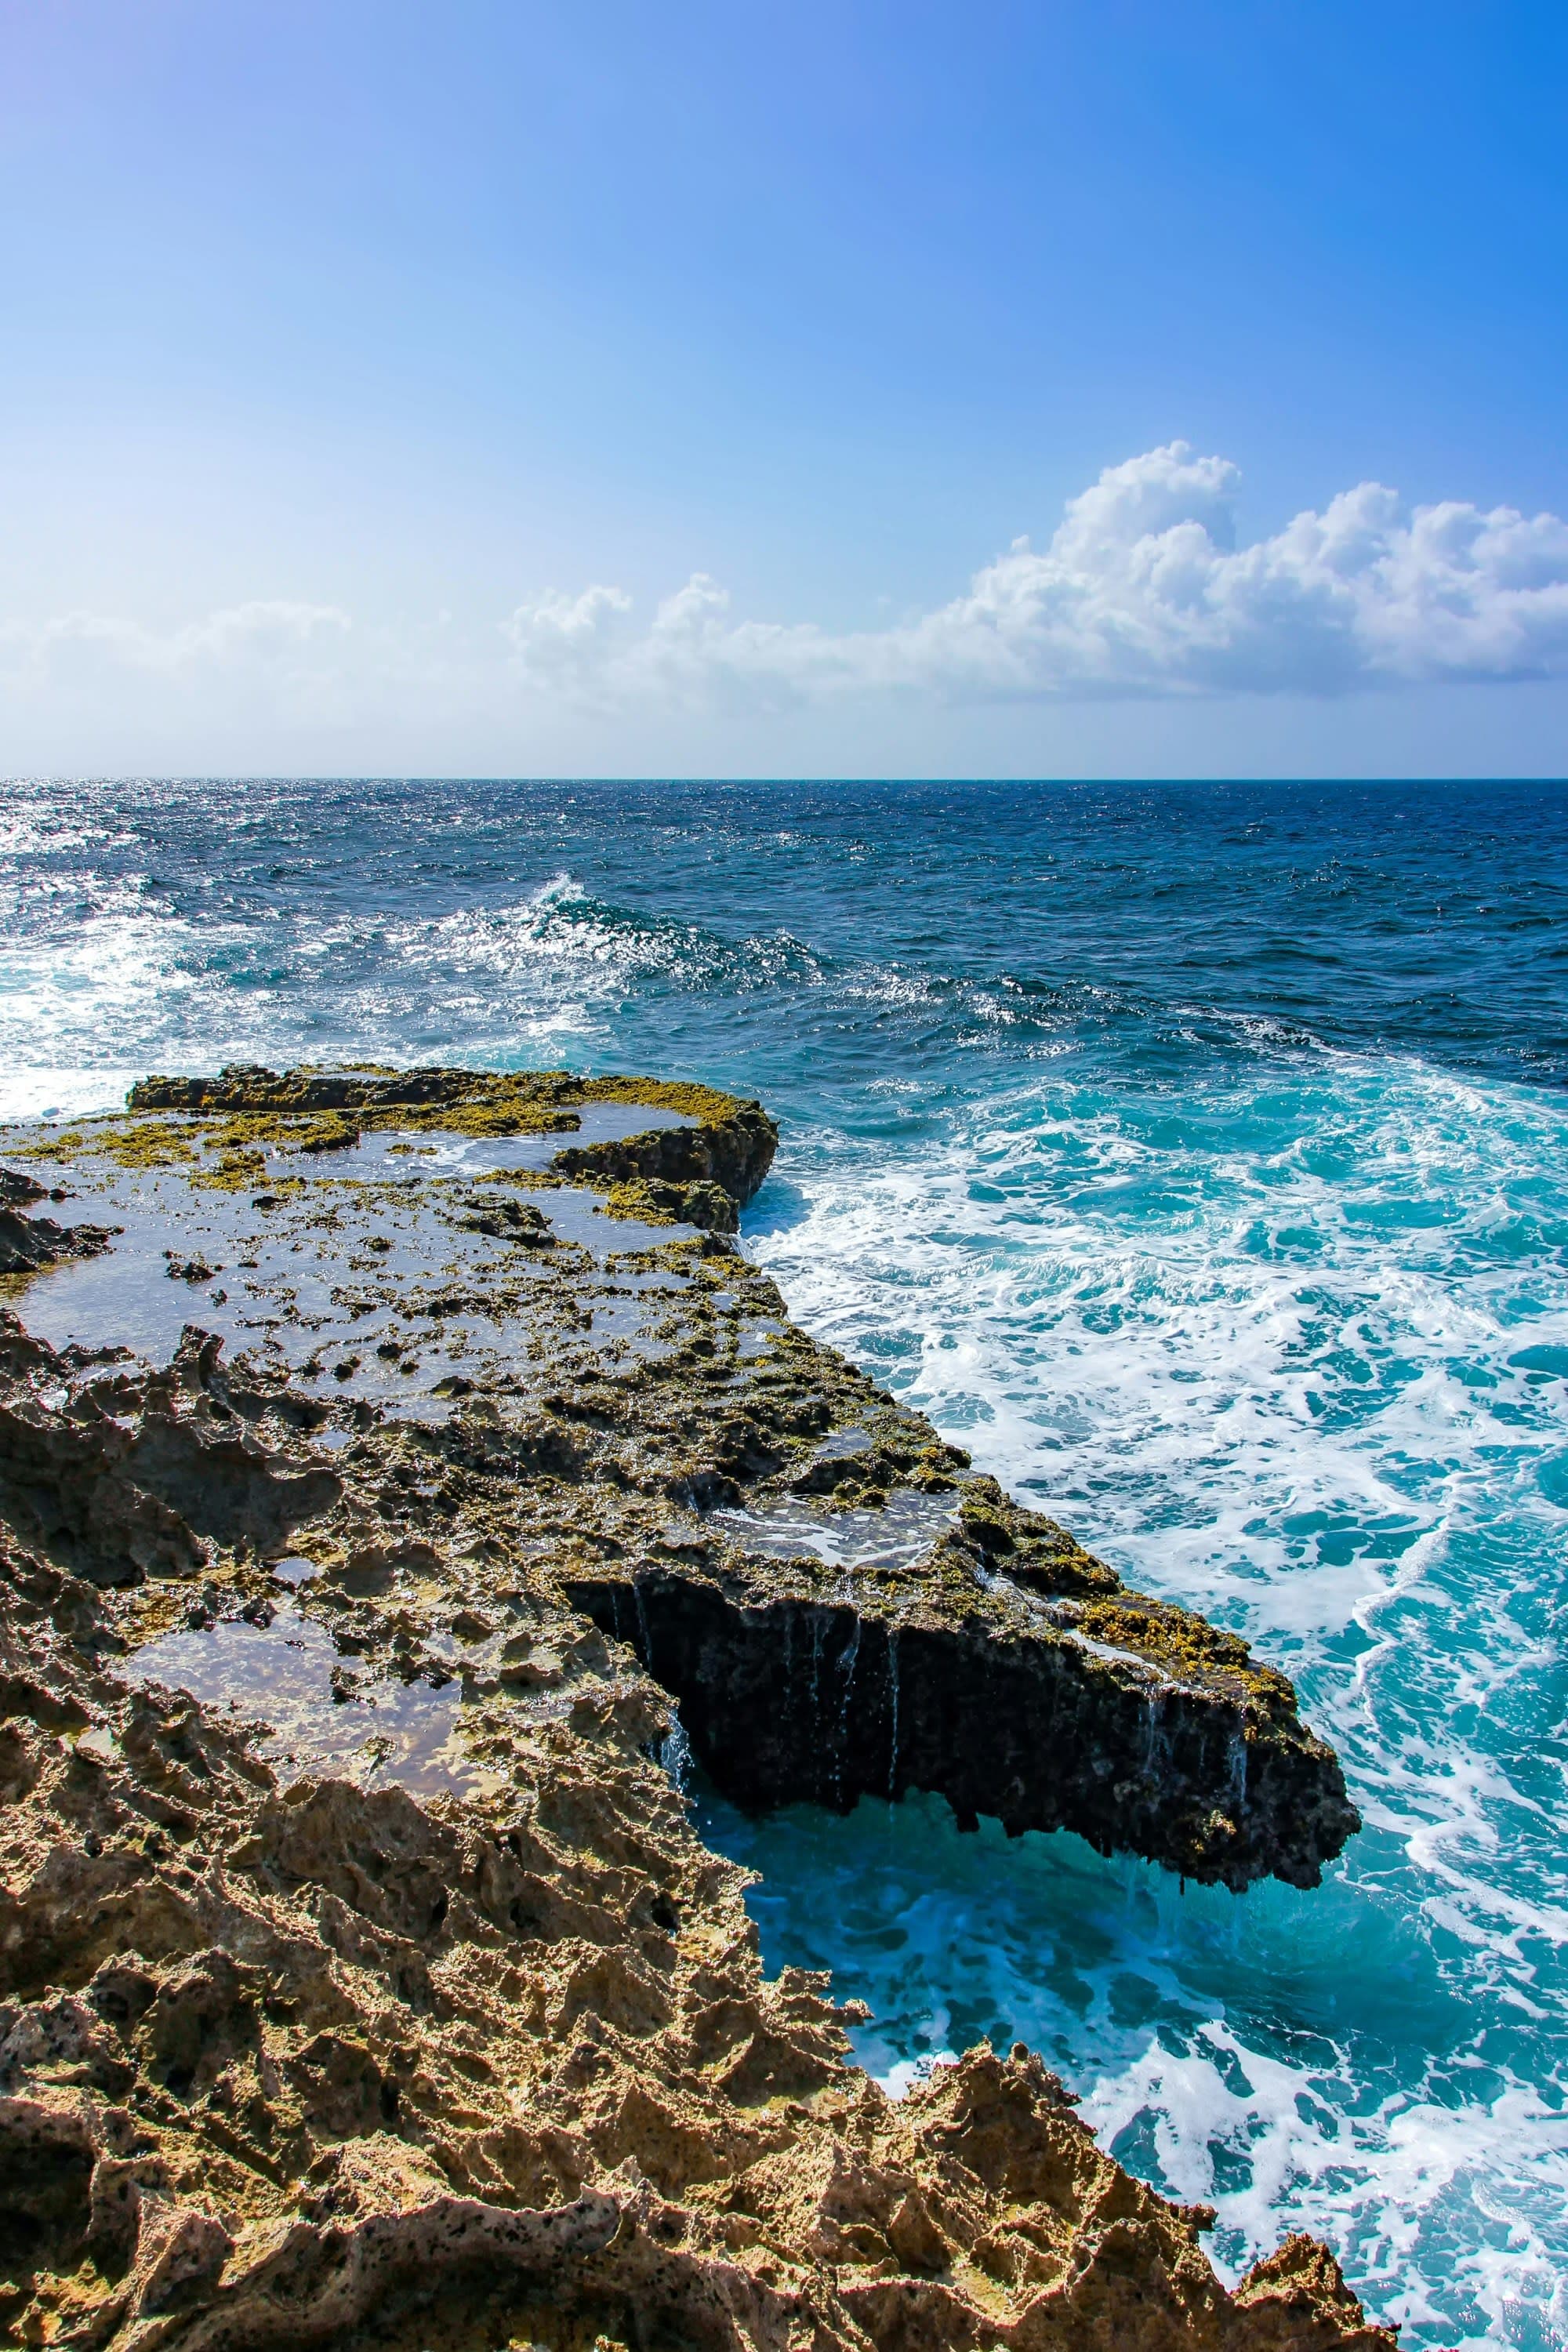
<point x="1087" y="387"/>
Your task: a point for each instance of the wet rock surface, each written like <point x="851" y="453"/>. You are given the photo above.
<point x="29" y="1241"/>
<point x="362" y="1978"/>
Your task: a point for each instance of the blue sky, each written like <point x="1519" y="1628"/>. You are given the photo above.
<point x="377" y="378"/>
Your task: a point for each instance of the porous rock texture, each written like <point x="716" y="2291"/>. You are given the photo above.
<point x="470" y="2045"/>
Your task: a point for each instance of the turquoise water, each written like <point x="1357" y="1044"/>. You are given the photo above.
<point x="1193" y="1154"/>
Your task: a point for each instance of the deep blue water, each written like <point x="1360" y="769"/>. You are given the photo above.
<point x="1194" y="1154"/>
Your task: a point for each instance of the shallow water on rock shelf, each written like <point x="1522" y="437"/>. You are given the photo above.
<point x="265" y="1269"/>
<point x="894" y="1535"/>
<point x="371" y="1729"/>
<point x="1193" y="1154"/>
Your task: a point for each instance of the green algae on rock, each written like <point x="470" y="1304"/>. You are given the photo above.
<point x="370" y="1985"/>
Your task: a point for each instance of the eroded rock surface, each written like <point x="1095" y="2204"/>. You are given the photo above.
<point x="361" y="1979"/>
<point x="29" y="1242"/>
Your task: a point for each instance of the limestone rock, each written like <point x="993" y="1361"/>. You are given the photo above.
<point x="402" y="2007"/>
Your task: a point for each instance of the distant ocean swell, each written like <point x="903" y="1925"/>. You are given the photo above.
<point x="476" y="983"/>
<point x="504" y="983"/>
<point x="1200" y="1161"/>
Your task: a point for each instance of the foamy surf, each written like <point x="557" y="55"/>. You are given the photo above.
<point x="1291" y="1353"/>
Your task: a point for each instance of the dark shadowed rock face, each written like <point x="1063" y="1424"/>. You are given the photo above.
<point x="362" y="1980"/>
<point x="789" y="1698"/>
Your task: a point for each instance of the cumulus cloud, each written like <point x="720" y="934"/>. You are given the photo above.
<point x="1141" y="590"/>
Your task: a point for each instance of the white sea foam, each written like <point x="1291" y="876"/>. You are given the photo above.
<point x="1375" y="2183"/>
<point x="1262" y="1350"/>
<point x="62" y="1094"/>
<point x="112" y="968"/>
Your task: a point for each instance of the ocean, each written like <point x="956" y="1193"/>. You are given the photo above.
<point x="1196" y="1155"/>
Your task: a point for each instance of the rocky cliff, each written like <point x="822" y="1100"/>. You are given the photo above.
<point x="416" y="1444"/>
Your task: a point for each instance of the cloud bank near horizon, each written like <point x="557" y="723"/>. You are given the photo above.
<point x="1141" y="592"/>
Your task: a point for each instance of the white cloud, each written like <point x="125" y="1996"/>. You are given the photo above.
<point x="1140" y="593"/>
<point x="1141" y="590"/>
<point x="262" y="630"/>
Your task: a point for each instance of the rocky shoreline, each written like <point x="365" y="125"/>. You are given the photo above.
<point x="385" y="1457"/>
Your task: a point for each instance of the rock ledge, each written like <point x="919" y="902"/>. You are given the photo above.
<point x="400" y="1450"/>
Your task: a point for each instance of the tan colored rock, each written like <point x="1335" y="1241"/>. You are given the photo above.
<point x="402" y="2007"/>
<point x="298" y="2065"/>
